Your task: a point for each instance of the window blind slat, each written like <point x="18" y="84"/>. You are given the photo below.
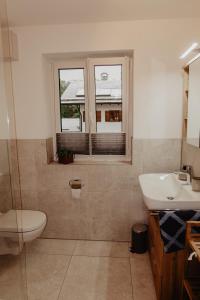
<point x="102" y="143"/>
<point x="108" y="143"/>
<point x="76" y="142"/>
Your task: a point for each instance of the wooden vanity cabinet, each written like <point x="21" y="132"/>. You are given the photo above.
<point x="168" y="269"/>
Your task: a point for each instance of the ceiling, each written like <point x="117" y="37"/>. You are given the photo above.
<point x="41" y="12"/>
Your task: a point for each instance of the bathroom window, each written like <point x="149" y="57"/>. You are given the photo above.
<point x="92" y="105"/>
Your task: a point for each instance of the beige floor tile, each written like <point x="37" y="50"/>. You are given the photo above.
<point x="51" y="246"/>
<point x="97" y="278"/>
<point x="45" y="275"/>
<point x="12" y="278"/>
<point x="143" y="285"/>
<point x="100" y="248"/>
<point x="98" y="271"/>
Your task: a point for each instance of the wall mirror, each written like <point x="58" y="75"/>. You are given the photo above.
<point x="192" y="103"/>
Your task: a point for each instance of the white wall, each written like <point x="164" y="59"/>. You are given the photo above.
<point x="194" y="104"/>
<point x="157" y="70"/>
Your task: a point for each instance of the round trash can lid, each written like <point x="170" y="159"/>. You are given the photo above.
<point x="138" y="228"/>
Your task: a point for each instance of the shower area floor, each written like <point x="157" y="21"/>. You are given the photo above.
<point x="76" y="270"/>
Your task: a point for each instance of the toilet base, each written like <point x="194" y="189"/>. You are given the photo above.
<point x="18" y="227"/>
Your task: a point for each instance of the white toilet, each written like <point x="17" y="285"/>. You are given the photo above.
<point x="18" y="227"/>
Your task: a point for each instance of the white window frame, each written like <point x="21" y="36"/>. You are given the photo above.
<point x="87" y="64"/>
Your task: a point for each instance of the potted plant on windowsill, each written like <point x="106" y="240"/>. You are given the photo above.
<point x="65" y="156"/>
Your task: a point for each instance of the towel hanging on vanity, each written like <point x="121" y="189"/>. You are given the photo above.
<point x="173" y="228"/>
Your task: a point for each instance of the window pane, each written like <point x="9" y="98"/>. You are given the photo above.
<point x="72" y="99"/>
<point x="98" y="116"/>
<point x="108" y="84"/>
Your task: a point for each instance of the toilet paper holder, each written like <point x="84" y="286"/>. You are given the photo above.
<point x="75" y="184"/>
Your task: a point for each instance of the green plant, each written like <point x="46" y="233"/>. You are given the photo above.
<point x="63" y="152"/>
<point x="70" y="111"/>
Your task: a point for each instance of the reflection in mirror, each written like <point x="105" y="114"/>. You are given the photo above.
<point x="193" y="116"/>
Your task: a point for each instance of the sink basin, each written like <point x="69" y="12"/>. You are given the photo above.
<point x="165" y="191"/>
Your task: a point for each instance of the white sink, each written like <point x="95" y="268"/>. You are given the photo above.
<point x="165" y="191"/>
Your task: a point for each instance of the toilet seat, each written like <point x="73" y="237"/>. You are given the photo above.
<point x="22" y="221"/>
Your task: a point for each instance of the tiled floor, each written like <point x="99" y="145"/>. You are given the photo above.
<point x="76" y="270"/>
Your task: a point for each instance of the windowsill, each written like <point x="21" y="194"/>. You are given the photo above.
<point x="95" y="162"/>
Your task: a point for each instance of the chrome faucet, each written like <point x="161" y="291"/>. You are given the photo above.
<point x="188" y="169"/>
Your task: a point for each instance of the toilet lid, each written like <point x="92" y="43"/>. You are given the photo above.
<point x="22" y="220"/>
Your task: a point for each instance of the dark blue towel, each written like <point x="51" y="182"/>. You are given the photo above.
<point x="173" y="228"/>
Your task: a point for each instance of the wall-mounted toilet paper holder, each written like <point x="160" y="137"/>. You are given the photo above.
<point x="75" y="184"/>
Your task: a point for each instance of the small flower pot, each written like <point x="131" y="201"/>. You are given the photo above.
<point x="67" y="159"/>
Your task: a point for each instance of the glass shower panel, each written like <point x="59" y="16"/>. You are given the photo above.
<point x="13" y="281"/>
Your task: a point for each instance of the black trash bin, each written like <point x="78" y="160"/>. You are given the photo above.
<point x="139" y="242"/>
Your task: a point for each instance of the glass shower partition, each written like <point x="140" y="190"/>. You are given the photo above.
<point x="12" y="267"/>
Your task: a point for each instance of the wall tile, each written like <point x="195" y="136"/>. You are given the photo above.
<point x="49" y="149"/>
<point x="111" y="199"/>
<point x="191" y="156"/>
<point x="9" y="175"/>
<point x="161" y="155"/>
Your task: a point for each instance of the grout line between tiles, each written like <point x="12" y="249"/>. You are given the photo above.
<point x="82" y="240"/>
<point x="75" y="246"/>
<point x="131" y="273"/>
<point x="75" y="255"/>
<point x="103" y="256"/>
<point x="65" y="276"/>
<point x="73" y="252"/>
<point x="45" y="253"/>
